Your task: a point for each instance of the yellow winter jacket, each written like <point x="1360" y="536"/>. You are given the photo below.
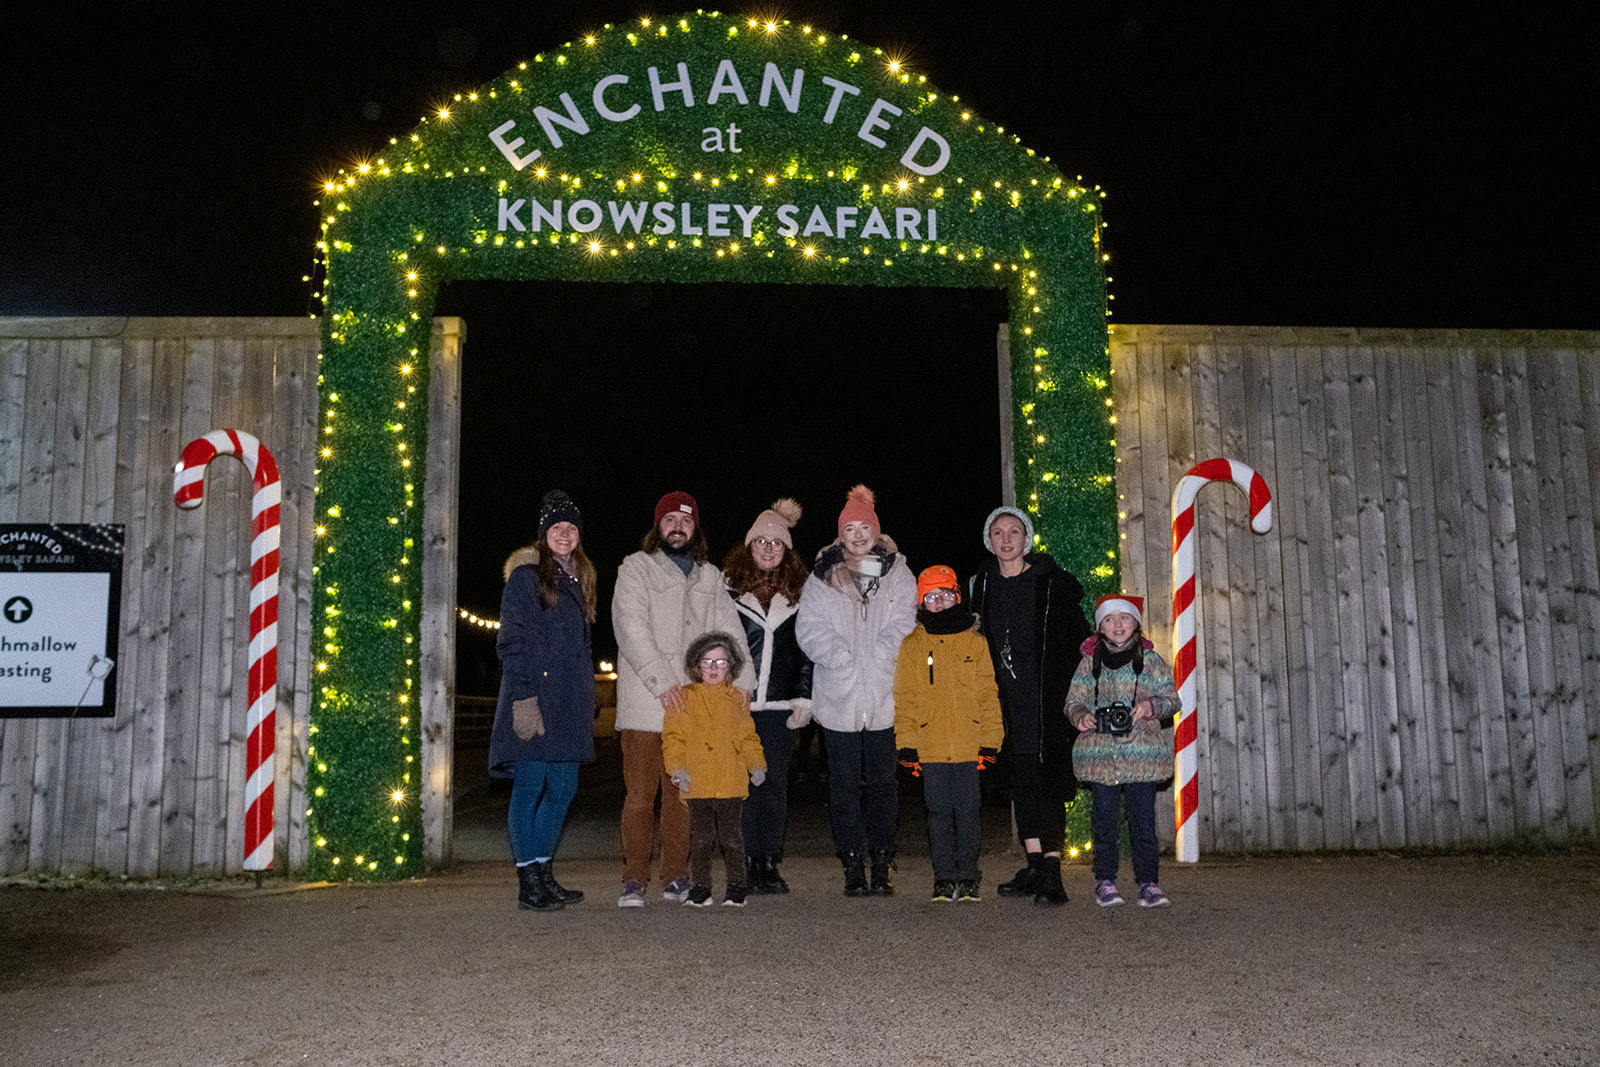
<point x="946" y="705"/>
<point x="714" y="739"/>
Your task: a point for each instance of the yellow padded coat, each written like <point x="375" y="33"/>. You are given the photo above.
<point x="946" y="705"/>
<point x="713" y="738"/>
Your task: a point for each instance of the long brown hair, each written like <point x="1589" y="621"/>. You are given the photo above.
<point x="697" y="543"/>
<point x="550" y="578"/>
<point x="743" y="576"/>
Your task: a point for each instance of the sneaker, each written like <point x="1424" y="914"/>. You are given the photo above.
<point x="944" y="890"/>
<point x="1106" y="895"/>
<point x="967" y="891"/>
<point x="632" y="895"/>
<point x="677" y="889"/>
<point x="698" y="897"/>
<point x="733" y="897"/>
<point x="1151" y="896"/>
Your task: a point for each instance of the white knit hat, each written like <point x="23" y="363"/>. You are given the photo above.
<point x="1017" y="513"/>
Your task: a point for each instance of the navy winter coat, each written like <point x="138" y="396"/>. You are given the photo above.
<point x="544" y="653"/>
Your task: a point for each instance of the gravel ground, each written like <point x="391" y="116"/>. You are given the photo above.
<point x="1373" y="959"/>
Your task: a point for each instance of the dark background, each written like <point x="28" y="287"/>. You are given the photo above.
<point x="1406" y="165"/>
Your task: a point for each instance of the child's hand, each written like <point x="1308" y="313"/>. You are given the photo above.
<point x="758" y="776"/>
<point x="681" y="780"/>
<point x="1144" y="709"/>
<point x="987" y="758"/>
<point x="1085" y="723"/>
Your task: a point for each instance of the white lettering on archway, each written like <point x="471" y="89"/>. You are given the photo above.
<point x="713" y="220"/>
<point x="610" y="99"/>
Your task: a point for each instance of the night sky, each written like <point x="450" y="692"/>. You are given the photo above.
<point x="1293" y="164"/>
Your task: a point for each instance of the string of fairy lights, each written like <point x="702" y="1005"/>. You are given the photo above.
<point x="445" y="203"/>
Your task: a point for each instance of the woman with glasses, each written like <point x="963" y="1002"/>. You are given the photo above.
<point x="543" y="722"/>
<point x="857" y="606"/>
<point x="764" y="577"/>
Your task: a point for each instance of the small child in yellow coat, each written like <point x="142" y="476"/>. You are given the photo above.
<point x="947" y="726"/>
<point x="711" y="750"/>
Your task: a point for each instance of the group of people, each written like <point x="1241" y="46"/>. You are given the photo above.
<point x="716" y="667"/>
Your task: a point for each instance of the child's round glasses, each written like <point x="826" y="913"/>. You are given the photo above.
<point x="940" y="596"/>
<point x="713" y="663"/>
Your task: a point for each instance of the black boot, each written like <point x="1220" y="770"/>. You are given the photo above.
<point x="882" y="871"/>
<point x="1026" y="882"/>
<point x="855" y="875"/>
<point x="1048" y="889"/>
<point x="774" y="880"/>
<point x="533" y="894"/>
<point x="565" y="895"/>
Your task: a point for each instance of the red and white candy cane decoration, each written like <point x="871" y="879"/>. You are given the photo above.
<point x="1187" y="795"/>
<point x="188" y="489"/>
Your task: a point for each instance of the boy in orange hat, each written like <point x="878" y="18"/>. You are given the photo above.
<point x="947" y="726"/>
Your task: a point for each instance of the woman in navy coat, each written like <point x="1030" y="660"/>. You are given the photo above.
<point x="544" y="720"/>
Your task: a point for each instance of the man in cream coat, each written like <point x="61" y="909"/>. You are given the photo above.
<point x="667" y="595"/>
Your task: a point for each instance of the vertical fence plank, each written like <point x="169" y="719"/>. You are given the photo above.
<point x="1298" y="725"/>
<point x="1553" y="705"/>
<point x="1510" y="458"/>
<point x="31" y="375"/>
<point x="130" y="507"/>
<point x="1411" y="698"/>
<point x="1241" y="595"/>
<point x="1584" y="623"/>
<point x="296" y="404"/>
<point x="1587" y="401"/>
<point x="1381" y="712"/>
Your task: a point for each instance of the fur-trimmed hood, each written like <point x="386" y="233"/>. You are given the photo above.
<point x="526" y="556"/>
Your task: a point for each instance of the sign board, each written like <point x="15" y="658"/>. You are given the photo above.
<point x="60" y="613"/>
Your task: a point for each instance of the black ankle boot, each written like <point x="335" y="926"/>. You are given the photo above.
<point x="882" y="871"/>
<point x="565" y="895"/>
<point x="774" y="880"/>
<point x="1026" y="882"/>
<point x="1048" y="890"/>
<point x="533" y="894"/>
<point x="855" y="875"/>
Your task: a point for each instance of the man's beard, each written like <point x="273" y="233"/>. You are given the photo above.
<point x="674" y="547"/>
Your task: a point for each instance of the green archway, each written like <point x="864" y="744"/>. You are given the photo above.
<point x="697" y="148"/>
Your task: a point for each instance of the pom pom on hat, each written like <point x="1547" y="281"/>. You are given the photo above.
<point x="1114" y="602"/>
<point x="775" y="522"/>
<point x="859" y="506"/>
<point x="557" y="506"/>
<point x="677" y="500"/>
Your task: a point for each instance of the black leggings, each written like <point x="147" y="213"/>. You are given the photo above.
<point x="1040" y="790"/>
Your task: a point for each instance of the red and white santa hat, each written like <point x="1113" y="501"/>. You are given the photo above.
<point x="1114" y="602"/>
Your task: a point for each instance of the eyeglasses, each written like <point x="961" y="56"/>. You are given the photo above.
<point x="766" y="542"/>
<point x="713" y="663"/>
<point x="941" y="596"/>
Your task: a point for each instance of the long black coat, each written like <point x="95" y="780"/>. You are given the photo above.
<point x="544" y="653"/>
<point x="1061" y="626"/>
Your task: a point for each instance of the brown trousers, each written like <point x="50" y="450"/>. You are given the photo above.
<point x="645" y="777"/>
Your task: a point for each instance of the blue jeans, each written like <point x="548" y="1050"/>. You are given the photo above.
<point x="540" y="794"/>
<point x="1141" y="804"/>
<point x="863" y="796"/>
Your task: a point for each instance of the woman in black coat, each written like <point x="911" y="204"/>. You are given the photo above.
<point x="544" y="720"/>
<point x="764" y="577"/>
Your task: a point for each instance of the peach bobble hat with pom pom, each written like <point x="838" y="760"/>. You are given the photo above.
<point x="858" y="507"/>
<point x="775" y="522"/>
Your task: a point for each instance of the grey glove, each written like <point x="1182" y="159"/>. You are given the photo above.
<point x="681" y="780"/>
<point x="526" y="720"/>
<point x="757" y="776"/>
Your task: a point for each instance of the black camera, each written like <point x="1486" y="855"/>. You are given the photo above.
<point x="1113" y="719"/>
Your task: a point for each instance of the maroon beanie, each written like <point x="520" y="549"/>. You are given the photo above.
<point x="677" y="500"/>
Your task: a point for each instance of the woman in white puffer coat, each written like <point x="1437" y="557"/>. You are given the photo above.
<point x="858" y="604"/>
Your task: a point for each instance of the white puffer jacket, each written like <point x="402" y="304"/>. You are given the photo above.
<point x="854" y="640"/>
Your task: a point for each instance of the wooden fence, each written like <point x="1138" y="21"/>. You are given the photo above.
<point x="1412" y="656"/>
<point x="93" y="415"/>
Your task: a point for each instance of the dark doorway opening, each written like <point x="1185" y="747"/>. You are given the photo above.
<point x="738" y="394"/>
